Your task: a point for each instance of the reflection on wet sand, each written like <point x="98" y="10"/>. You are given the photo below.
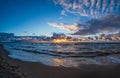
<point x="64" y="62"/>
<point x="58" y="62"/>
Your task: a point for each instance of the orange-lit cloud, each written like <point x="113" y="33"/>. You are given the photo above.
<point x="63" y="26"/>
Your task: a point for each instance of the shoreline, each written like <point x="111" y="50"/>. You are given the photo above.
<point x="38" y="70"/>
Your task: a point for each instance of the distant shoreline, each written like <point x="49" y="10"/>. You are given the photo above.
<point x="69" y="42"/>
<point x="101" y="42"/>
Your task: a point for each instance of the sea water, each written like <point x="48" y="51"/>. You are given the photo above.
<point x="65" y="54"/>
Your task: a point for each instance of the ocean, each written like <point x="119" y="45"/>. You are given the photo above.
<point x="65" y="54"/>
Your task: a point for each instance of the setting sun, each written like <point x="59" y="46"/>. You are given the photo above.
<point x="59" y="40"/>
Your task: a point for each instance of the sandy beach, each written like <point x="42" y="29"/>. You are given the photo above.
<point x="11" y="68"/>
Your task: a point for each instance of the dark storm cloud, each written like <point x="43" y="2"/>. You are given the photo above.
<point x="107" y="24"/>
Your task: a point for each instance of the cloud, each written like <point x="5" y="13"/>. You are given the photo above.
<point x="104" y="14"/>
<point x="108" y="24"/>
<point x="63" y="13"/>
<point x="113" y="36"/>
<point x="63" y="26"/>
<point x="90" y="8"/>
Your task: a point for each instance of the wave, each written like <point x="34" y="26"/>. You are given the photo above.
<point x="70" y="54"/>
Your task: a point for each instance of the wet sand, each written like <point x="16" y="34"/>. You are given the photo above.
<point x="11" y="68"/>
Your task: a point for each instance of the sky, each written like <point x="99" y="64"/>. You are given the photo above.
<point x="43" y="17"/>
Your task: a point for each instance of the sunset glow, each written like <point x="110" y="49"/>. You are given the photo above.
<point x="60" y="40"/>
